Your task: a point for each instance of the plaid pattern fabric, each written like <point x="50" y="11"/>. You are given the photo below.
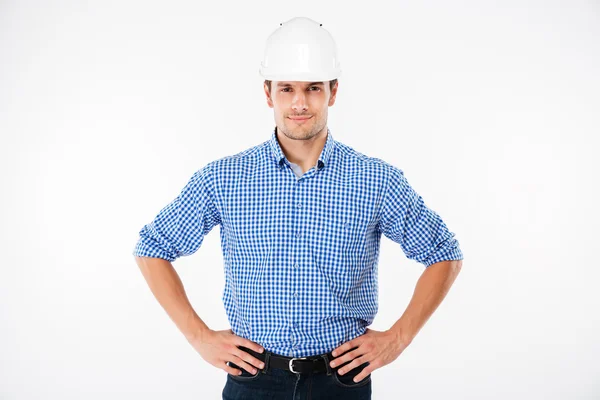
<point x="300" y="254"/>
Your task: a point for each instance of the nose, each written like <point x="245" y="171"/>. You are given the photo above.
<point x="299" y="102"/>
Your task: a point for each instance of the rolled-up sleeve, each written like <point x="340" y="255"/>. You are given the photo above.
<point x="180" y="227"/>
<point x="420" y="231"/>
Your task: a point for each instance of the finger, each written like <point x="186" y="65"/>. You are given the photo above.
<point x="249" y="344"/>
<point x="363" y="374"/>
<point x="355" y="363"/>
<point x="346" y="357"/>
<point x="354" y="343"/>
<point x="248" y="358"/>
<point x="244" y="365"/>
<point x="231" y="370"/>
<point x="342" y="349"/>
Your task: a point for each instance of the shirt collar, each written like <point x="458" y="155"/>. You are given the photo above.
<point x="279" y="157"/>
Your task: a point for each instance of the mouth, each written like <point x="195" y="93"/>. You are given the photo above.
<point x="300" y="119"/>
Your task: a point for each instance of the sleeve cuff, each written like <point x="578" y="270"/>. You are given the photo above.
<point x="446" y="254"/>
<point x="143" y="249"/>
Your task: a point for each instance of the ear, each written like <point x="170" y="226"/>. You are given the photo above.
<point x="333" y="94"/>
<point x="269" y="99"/>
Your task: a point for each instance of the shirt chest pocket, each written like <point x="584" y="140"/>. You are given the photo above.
<point x="338" y="237"/>
<point x="338" y="252"/>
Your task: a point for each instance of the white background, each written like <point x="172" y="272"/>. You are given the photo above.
<point x="490" y="108"/>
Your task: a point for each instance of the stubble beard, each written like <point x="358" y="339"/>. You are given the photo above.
<point x="299" y="132"/>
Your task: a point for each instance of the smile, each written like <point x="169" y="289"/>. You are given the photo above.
<point x="300" y="120"/>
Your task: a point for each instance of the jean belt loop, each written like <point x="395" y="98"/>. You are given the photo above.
<point x="327" y="364"/>
<point x="267" y="356"/>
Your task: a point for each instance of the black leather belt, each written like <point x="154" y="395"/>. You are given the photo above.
<point x="296" y="365"/>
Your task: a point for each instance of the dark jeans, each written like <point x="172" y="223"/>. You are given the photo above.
<point x="278" y="384"/>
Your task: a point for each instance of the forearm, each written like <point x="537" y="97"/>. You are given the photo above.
<point x="431" y="288"/>
<point x="167" y="288"/>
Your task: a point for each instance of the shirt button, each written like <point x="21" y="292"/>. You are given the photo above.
<point x="295" y="265"/>
<point x="299" y="205"/>
<point x="296" y="294"/>
<point x="298" y="234"/>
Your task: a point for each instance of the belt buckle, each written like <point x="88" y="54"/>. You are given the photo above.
<point x="292" y="360"/>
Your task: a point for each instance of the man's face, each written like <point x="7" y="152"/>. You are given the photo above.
<point x="291" y="100"/>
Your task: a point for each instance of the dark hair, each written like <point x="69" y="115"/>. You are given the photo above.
<point x="331" y="84"/>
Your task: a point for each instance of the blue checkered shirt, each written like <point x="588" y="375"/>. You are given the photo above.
<point x="300" y="253"/>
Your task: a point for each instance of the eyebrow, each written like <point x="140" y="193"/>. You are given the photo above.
<point x="310" y="84"/>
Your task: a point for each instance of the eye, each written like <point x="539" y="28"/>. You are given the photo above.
<point x="311" y="87"/>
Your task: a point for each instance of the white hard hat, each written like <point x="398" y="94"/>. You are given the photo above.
<point x="300" y="50"/>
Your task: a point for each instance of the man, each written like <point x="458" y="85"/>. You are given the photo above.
<point x="301" y="216"/>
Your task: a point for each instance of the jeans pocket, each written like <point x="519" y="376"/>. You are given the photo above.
<point x="245" y="376"/>
<point x="346" y="380"/>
